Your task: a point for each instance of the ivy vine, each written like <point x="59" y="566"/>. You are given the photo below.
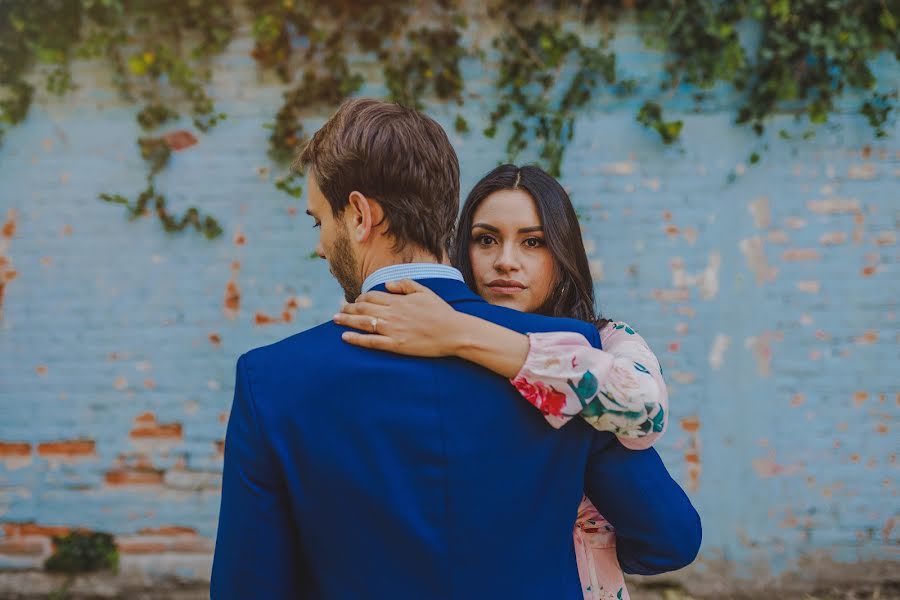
<point x="549" y="60"/>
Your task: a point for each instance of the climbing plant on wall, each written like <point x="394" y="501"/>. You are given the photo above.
<point x="549" y="60"/>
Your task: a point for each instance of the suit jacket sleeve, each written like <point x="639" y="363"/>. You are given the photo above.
<point x="257" y="554"/>
<point x="657" y="528"/>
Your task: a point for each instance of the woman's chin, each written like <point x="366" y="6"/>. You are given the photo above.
<point x="520" y="304"/>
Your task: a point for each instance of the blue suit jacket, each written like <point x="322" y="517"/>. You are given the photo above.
<point x="353" y="473"/>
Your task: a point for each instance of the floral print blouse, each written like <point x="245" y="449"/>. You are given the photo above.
<point x="619" y="389"/>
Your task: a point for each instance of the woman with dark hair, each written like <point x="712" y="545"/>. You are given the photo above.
<point x="519" y="245"/>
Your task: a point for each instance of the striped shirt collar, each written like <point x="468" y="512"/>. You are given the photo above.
<point x="411" y="271"/>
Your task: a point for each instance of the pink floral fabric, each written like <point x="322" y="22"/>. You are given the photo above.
<point x="619" y="389"/>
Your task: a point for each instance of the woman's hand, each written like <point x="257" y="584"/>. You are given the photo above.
<point x="411" y="320"/>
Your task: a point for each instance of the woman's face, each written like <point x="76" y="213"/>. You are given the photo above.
<point x="510" y="260"/>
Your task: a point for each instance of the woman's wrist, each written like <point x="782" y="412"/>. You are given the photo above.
<point x="463" y="333"/>
<point x="492" y="346"/>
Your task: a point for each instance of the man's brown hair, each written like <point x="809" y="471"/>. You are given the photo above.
<point x="396" y="155"/>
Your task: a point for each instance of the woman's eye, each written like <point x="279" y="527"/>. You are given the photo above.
<point x="534" y="242"/>
<point x="484" y="240"/>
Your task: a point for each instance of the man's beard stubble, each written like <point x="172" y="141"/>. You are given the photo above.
<point x="343" y="266"/>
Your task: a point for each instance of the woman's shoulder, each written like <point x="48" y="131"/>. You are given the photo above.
<point x="617" y="331"/>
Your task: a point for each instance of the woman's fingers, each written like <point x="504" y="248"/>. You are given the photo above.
<point x="382" y="298"/>
<point x="376" y="342"/>
<point x="363" y="308"/>
<point x="405" y="286"/>
<point x="361" y="322"/>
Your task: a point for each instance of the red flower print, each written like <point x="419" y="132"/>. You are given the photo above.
<point x="545" y="399"/>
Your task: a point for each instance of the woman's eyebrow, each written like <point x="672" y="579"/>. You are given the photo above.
<point x="495" y="230"/>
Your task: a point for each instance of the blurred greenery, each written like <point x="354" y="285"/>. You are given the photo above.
<point x="549" y="61"/>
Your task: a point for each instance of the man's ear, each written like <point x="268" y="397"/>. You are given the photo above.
<point x="363" y="216"/>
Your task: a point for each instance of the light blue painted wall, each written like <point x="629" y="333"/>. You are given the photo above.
<point x="797" y="408"/>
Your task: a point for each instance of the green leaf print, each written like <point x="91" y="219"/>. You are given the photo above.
<point x="624" y="326"/>
<point x="658" y="419"/>
<point x="586" y="388"/>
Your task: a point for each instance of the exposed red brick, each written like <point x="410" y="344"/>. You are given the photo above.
<point x="31" y="528"/>
<point x="240" y="239"/>
<point x="220" y="447"/>
<point x="134" y="460"/>
<point x="134" y="477"/>
<point x="146" y="426"/>
<point x="292" y="210"/>
<point x="160" y="430"/>
<point x="147" y="417"/>
<point x="232" y="297"/>
<point x="9" y="228"/>
<point x="41" y="369"/>
<point x="868" y="271"/>
<point x="168" y="530"/>
<point x="264" y="319"/>
<point x="868" y="337"/>
<point x="215" y="339"/>
<point x="860" y="397"/>
<point x="180" y="140"/>
<point x="67" y="448"/>
<point x="9" y="449"/>
<point x="690" y="424"/>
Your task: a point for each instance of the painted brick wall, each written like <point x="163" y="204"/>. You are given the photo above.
<point x="769" y="293"/>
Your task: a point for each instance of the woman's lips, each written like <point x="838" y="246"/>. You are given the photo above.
<point x="506" y="288"/>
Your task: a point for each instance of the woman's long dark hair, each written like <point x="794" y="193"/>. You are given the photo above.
<point x="573" y="289"/>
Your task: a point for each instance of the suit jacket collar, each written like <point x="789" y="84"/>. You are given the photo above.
<point x="450" y="290"/>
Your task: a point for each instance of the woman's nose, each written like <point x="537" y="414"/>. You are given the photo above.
<point x="507" y="260"/>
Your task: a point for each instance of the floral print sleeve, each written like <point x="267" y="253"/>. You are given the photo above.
<point x="618" y="389"/>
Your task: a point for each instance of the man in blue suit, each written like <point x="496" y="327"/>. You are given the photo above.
<point x="353" y="473"/>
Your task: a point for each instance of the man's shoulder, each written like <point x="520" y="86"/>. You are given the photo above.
<point x="305" y="343"/>
<point x="530" y="322"/>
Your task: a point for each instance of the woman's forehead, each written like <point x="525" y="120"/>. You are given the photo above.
<point x="508" y="209"/>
